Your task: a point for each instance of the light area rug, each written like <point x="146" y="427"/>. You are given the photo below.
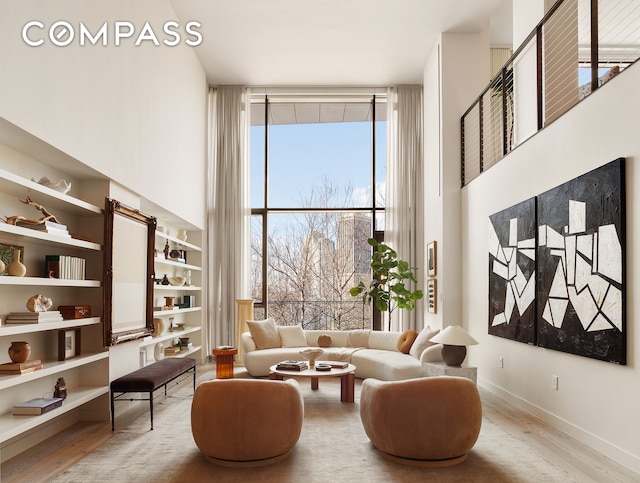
<point x="333" y="447"/>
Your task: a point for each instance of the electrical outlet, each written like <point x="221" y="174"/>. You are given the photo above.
<point x="500" y="362"/>
<point x="554" y="382"/>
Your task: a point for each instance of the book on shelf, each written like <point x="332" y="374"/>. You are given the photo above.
<point x="15" y="372"/>
<point x="171" y="350"/>
<point x="38" y="405"/>
<point x="50" y="227"/>
<point x="34" y="317"/>
<point x="292" y="366"/>
<point x="65" y="267"/>
<point x="185" y="345"/>
<point x="11" y="368"/>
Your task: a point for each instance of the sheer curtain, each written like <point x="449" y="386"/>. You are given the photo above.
<point x="228" y="210"/>
<point x="404" y="211"/>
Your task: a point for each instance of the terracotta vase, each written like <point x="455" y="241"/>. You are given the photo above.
<point x="19" y="351"/>
<point x="16" y="268"/>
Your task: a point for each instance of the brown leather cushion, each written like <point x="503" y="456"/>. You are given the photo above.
<point x="324" y="341"/>
<point x="405" y="341"/>
<point x="153" y="376"/>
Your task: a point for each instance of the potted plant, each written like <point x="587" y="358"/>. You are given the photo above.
<point x="388" y="288"/>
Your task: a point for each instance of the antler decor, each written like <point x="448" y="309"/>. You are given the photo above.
<point x="13" y="220"/>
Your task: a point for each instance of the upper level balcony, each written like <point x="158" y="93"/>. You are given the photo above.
<point x="576" y="49"/>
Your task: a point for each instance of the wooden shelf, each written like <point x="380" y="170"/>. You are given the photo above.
<point x="51" y="367"/>
<point x="12" y="426"/>
<point x="48" y="282"/>
<point x="16" y="329"/>
<point x="40" y="237"/>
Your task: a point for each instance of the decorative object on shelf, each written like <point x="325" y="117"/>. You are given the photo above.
<point x="68" y="344"/>
<point x="39" y="303"/>
<point x="182" y="234"/>
<point x="169" y="302"/>
<point x="431" y="259"/>
<point x="6" y="254"/>
<point x="158" y="351"/>
<point x="187" y="277"/>
<point x="177" y="281"/>
<point x="312" y="355"/>
<point x="454" y="340"/>
<point x="159" y="326"/>
<point x="16" y="268"/>
<point x="184" y="340"/>
<point x="161" y="229"/>
<point x="60" y="390"/>
<point x="75" y="311"/>
<point x="62" y="186"/>
<point x="166" y="250"/>
<point x="19" y="351"/>
<point x="165" y="280"/>
<point x="175" y="254"/>
<point x="2" y="267"/>
<point x="13" y="220"/>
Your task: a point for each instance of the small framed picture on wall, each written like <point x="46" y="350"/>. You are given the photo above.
<point x="431" y="259"/>
<point x="432" y="295"/>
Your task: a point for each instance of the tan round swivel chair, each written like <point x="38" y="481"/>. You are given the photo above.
<point x="429" y="421"/>
<point x="247" y="422"/>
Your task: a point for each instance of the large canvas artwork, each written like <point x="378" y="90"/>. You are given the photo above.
<point x="581" y="265"/>
<point x="512" y="272"/>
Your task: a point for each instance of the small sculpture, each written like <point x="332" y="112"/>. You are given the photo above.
<point x="39" y="303"/>
<point x="13" y="220"/>
<point x="61" y="389"/>
<point x="62" y="186"/>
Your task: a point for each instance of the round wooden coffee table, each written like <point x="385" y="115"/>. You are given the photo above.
<point x="346" y="375"/>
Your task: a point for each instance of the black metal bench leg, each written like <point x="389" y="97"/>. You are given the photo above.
<point x="113" y="414"/>
<point x="151" y="407"/>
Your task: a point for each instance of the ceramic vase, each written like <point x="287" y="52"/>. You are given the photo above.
<point x="19" y="351"/>
<point x="159" y="326"/>
<point x="2" y="267"/>
<point x="16" y="268"/>
<point x="182" y="234"/>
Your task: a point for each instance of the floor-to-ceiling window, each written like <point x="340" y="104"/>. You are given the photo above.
<point x="317" y="194"/>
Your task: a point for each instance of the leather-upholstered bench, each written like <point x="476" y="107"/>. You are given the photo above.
<point x="148" y="379"/>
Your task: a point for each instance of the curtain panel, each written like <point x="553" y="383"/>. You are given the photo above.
<point x="404" y="211"/>
<point x="228" y="210"/>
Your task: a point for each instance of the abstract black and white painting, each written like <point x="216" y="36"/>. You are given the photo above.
<point x="581" y="265"/>
<point x="512" y="272"/>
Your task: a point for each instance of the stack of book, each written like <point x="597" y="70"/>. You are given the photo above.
<point x="34" y="317"/>
<point x="49" y="227"/>
<point x="65" y="267"/>
<point x="185" y="345"/>
<point x="171" y="351"/>
<point x="292" y="366"/>
<point x="13" y="368"/>
<point x="39" y="405"/>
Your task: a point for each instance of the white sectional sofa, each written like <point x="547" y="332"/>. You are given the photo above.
<point x="374" y="353"/>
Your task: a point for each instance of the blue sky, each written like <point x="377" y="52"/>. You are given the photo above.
<point x="301" y="155"/>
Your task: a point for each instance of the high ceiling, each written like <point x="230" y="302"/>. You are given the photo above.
<point x="327" y="42"/>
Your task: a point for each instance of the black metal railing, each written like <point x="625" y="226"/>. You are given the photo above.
<point x="576" y="48"/>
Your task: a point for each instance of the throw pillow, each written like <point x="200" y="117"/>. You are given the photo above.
<point x="292" y="336"/>
<point x="422" y="341"/>
<point x="265" y="333"/>
<point x="406" y="339"/>
<point x="324" y="341"/>
<point x="359" y="338"/>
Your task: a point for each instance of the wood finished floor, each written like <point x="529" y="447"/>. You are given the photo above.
<point x="49" y="459"/>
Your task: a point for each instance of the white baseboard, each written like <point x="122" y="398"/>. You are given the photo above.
<point x="610" y="450"/>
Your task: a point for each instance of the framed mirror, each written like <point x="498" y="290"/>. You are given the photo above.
<point x="129" y="273"/>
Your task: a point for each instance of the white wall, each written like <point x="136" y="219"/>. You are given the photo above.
<point x="596" y="402"/>
<point x="135" y="114"/>
<point x="457" y="71"/>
